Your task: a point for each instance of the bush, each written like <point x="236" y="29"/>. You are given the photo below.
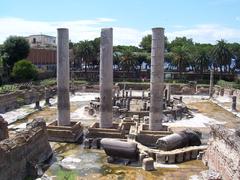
<point x="24" y="70"/>
<point x="228" y="84"/>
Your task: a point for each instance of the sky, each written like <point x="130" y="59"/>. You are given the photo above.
<point x="205" y="21"/>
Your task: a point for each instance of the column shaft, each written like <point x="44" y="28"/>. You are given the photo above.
<point x="63" y="114"/>
<point x="106" y="77"/>
<point x="157" y="79"/>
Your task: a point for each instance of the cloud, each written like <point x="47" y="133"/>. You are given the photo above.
<point x="207" y="33"/>
<point x="78" y="30"/>
<point x="90" y="29"/>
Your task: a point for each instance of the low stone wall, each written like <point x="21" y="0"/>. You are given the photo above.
<point x="223" y="152"/>
<point x="176" y="89"/>
<point x="22" y="154"/>
<point x="13" y="100"/>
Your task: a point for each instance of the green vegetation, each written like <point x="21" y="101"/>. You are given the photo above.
<point x="24" y="70"/>
<point x="14" y="49"/>
<point x="46" y="82"/>
<point x="181" y="55"/>
<point x="66" y="175"/>
<point x="227" y="84"/>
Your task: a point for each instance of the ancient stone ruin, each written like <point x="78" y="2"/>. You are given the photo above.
<point x="222" y="154"/>
<point x="24" y="154"/>
<point x="132" y="123"/>
<point x="64" y="130"/>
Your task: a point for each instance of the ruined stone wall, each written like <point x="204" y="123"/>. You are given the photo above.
<point x="21" y="154"/>
<point x="223" y="153"/>
<point x="176" y="89"/>
<point x="13" y="100"/>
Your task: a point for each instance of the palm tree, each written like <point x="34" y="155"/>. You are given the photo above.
<point x="181" y="57"/>
<point x="128" y="61"/>
<point x="84" y="52"/>
<point x="202" y="56"/>
<point x="222" y="55"/>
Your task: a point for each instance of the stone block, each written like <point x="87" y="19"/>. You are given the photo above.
<point x="148" y="164"/>
<point x="142" y="156"/>
<point x="179" y="158"/>
<point x="187" y="156"/>
<point x="194" y="154"/>
<point x="96" y="143"/>
<point x="171" y="159"/>
<point x="72" y="133"/>
<point x="160" y="158"/>
<point x="87" y="143"/>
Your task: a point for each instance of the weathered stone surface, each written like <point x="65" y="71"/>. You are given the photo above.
<point x="28" y="149"/>
<point x="157" y="80"/>
<point x="211" y="175"/>
<point x="178" y="140"/>
<point x="118" y="148"/>
<point x="106" y="77"/>
<point x="117" y="131"/>
<point x="222" y="154"/>
<point x="72" y="133"/>
<point x="3" y="129"/>
<point x="148" y="164"/>
<point x="63" y="112"/>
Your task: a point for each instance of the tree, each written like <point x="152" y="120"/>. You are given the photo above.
<point x="235" y="51"/>
<point x="14" y="49"/>
<point x="84" y="51"/>
<point x="146" y="43"/>
<point x="87" y="53"/>
<point x="202" y="57"/>
<point x="140" y="57"/>
<point x="181" y="52"/>
<point x="24" y="70"/>
<point x="127" y="61"/>
<point x="222" y="55"/>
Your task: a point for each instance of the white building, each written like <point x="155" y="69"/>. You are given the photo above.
<point x="41" y="41"/>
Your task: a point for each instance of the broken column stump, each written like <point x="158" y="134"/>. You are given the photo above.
<point x="3" y="129"/>
<point x="148" y="164"/>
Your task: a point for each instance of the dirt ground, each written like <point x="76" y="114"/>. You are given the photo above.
<point x="216" y="112"/>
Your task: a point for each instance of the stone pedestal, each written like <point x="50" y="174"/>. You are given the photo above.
<point x="72" y="133"/>
<point x="117" y="131"/>
<point x="148" y="137"/>
<point x="157" y="79"/>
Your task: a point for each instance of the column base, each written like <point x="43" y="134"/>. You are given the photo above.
<point x="95" y="134"/>
<point x="70" y="134"/>
<point x="148" y="137"/>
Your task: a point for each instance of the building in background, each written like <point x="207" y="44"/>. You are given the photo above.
<point x="44" y="59"/>
<point x="41" y="41"/>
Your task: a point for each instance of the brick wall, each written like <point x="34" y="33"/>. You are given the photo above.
<point x="223" y="153"/>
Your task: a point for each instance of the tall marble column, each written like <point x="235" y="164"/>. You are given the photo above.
<point x="157" y="80"/>
<point x="106" y="77"/>
<point x="63" y="114"/>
